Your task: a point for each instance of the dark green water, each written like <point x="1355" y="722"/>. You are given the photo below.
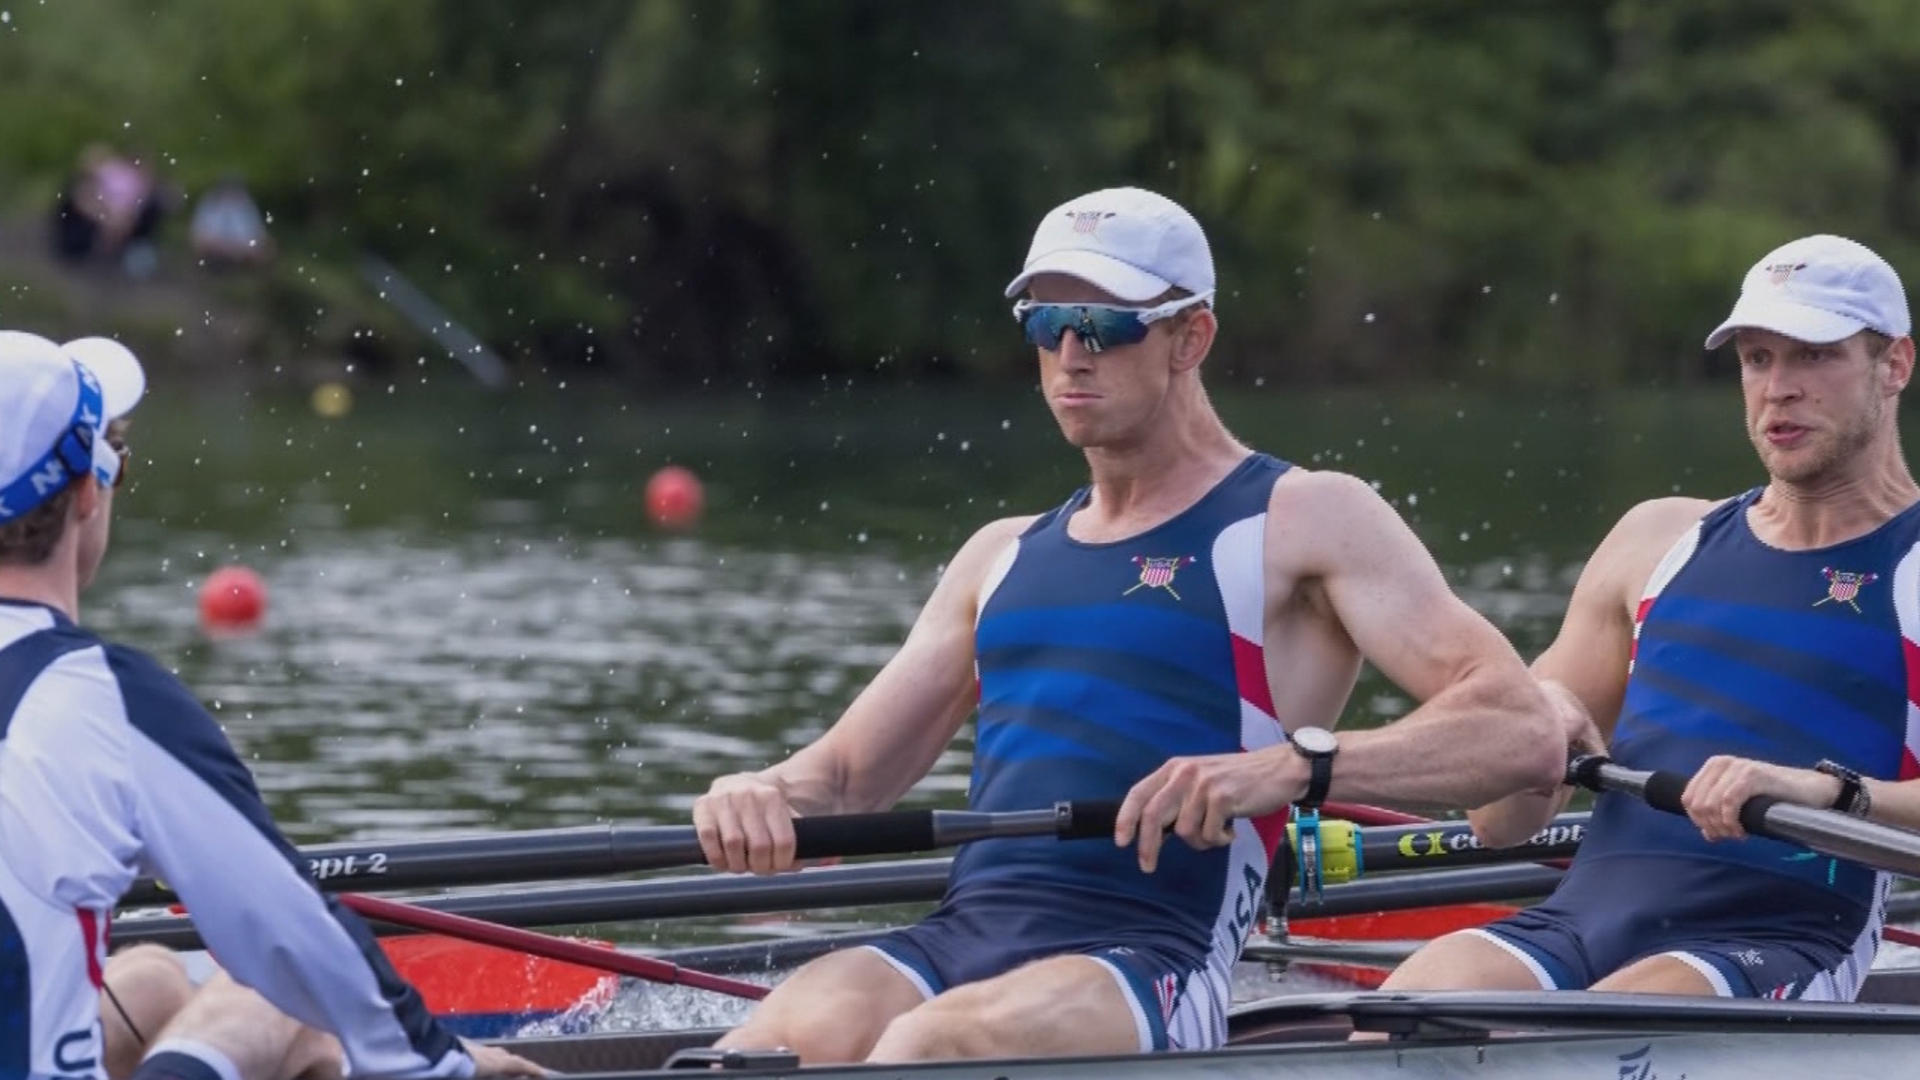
<point x="473" y="626"/>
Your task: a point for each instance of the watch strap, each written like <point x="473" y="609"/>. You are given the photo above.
<point x="1319" y="780"/>
<point x="1853" y="798"/>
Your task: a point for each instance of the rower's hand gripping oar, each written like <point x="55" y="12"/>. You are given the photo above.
<point x="1828" y="832"/>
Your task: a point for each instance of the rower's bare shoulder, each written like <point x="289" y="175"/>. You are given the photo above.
<point x="1312" y="510"/>
<point x="1303" y="495"/>
<point x="970" y="564"/>
<point x="1652" y="527"/>
<point x="1626" y="558"/>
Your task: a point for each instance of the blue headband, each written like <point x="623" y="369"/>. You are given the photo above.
<point x="71" y="456"/>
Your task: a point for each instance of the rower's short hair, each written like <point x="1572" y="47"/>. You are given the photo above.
<point x="29" y="539"/>
<point x="1876" y="342"/>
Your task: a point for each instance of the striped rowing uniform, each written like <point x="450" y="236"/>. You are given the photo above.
<point x="1097" y="663"/>
<point x="1783" y="656"/>
<point x="110" y="768"/>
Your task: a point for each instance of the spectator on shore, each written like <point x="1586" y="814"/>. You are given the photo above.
<point x="111" y="206"/>
<point x="74" y="231"/>
<point x="228" y="229"/>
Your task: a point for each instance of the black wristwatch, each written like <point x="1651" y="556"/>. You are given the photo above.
<point x="1318" y="746"/>
<point x="1854" y="798"/>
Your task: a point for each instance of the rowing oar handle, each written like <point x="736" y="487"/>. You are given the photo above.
<point x="1087" y="820"/>
<point x="863" y="834"/>
<point x="1662" y="790"/>
<point x="1659" y="789"/>
<point x="898" y="831"/>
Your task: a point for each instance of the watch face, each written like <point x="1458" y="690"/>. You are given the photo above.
<point x="1315" y="740"/>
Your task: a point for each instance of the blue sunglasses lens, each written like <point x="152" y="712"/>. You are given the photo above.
<point x="1097" y="328"/>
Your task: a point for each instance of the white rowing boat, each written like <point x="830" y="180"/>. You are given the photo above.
<point x="1487" y="1036"/>
<point x="1508" y="1036"/>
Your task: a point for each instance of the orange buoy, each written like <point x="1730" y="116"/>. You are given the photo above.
<point x="675" y="498"/>
<point x="233" y="598"/>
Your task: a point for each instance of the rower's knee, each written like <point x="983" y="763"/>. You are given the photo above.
<point x="935" y="1031"/>
<point x="1461" y="961"/>
<point x="817" y="1043"/>
<point x="961" y="1023"/>
<point x="315" y="1055"/>
<point x="830" y="1012"/>
<point x="151" y="987"/>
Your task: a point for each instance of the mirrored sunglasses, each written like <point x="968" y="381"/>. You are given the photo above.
<point x="1098" y="327"/>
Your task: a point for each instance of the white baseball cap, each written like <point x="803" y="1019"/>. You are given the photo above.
<point x="1819" y="289"/>
<point x="1125" y="241"/>
<point x="55" y="404"/>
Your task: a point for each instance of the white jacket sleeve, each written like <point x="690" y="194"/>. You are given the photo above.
<point x="204" y="829"/>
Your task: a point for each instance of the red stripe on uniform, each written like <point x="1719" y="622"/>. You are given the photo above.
<point x="90" y="937"/>
<point x="1250" y="672"/>
<point x="1272" y="829"/>
<point x="1639" y="620"/>
<point x="1909" y="765"/>
<point x="1910" y="652"/>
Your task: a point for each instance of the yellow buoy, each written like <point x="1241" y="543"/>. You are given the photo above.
<point x="332" y="400"/>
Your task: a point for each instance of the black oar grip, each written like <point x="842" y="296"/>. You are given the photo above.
<point x="1664" y="790"/>
<point x="1753" y="814"/>
<point x="864" y="834"/>
<point x="1088" y="819"/>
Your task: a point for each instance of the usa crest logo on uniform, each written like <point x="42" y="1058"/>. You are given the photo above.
<point x="1843" y="586"/>
<point x="1157" y="573"/>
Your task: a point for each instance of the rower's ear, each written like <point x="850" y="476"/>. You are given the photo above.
<point x="1899" y="366"/>
<point x="87" y="499"/>
<point x="1193" y="333"/>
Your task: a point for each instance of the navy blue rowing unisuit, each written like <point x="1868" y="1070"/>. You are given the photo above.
<point x="1782" y="656"/>
<point x="1097" y="663"/>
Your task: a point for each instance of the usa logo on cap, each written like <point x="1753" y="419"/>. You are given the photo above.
<point x="1778" y="273"/>
<point x="1088" y="221"/>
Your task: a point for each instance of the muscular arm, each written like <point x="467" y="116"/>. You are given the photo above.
<point x="883" y="744"/>
<point x="1343" y="571"/>
<point x="1483" y="728"/>
<point x="1585" y="669"/>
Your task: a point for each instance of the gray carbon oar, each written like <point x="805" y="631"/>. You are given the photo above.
<point x="1828" y="832"/>
<point x="858" y="885"/>
<point x="601" y="850"/>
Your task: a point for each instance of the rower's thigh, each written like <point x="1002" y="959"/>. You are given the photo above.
<point x="259" y="1039"/>
<point x="1060" y="1005"/>
<point x="1662" y="974"/>
<point x="151" y="986"/>
<point x="831" y="1010"/>
<point x="1464" y="960"/>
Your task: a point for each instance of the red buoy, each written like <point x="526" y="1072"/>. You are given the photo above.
<point x="674" y="498"/>
<point x="233" y="598"/>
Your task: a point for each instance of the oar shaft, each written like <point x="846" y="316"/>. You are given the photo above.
<point x="1473" y="885"/>
<point x="1832" y="834"/>
<point x="861" y="884"/>
<point x="594" y="851"/>
<point x="1452" y="843"/>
